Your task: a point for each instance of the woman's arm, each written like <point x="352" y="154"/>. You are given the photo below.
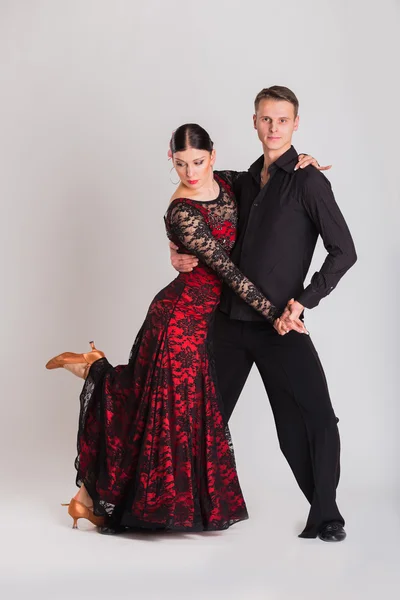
<point x="189" y="226"/>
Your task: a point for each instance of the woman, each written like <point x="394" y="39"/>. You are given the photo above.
<point x="153" y="449"/>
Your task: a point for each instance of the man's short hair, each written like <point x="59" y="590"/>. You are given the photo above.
<point x="277" y="92"/>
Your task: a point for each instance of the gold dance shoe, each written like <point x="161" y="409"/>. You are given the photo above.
<point x="69" y="358"/>
<point x="77" y="510"/>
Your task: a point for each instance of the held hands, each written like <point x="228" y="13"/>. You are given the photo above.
<point x="182" y="262"/>
<point x="289" y="319"/>
<point x="306" y="159"/>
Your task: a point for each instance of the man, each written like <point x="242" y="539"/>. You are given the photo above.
<point x="281" y="214"/>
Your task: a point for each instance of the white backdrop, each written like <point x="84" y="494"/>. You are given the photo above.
<point x="90" y="91"/>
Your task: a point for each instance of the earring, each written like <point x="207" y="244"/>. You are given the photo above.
<point x="173" y="182"/>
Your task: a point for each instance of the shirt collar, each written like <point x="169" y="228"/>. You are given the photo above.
<point x="287" y="162"/>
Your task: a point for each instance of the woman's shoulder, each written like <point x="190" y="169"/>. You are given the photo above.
<point x="228" y="177"/>
<point x="179" y="194"/>
<point x="179" y="197"/>
<point x="180" y="205"/>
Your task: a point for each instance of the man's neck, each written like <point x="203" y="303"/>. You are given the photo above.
<point x="270" y="156"/>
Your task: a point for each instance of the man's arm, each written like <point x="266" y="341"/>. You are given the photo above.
<point x="321" y="206"/>
<point x="319" y="202"/>
<point x="182" y="262"/>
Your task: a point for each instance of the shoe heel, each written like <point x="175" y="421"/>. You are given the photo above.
<point x="77" y="510"/>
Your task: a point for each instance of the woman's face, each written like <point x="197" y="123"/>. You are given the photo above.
<point x="194" y="167"/>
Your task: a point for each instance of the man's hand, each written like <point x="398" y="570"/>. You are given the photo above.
<point x="290" y="319"/>
<point x="184" y="263"/>
<point x="306" y="159"/>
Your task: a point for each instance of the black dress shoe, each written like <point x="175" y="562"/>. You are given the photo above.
<point x="332" y="532"/>
<point x="112" y="529"/>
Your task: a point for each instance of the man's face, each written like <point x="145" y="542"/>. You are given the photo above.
<point x="275" y="123"/>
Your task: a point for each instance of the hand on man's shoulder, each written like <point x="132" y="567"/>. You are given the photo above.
<point x="311" y="178"/>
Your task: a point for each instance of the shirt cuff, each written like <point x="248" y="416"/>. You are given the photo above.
<point x="308" y="298"/>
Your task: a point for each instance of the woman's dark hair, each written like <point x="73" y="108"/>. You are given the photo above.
<point x="190" y="135"/>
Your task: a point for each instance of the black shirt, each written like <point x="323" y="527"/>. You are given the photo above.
<point x="277" y="232"/>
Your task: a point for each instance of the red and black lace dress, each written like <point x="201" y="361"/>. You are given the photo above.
<point x="153" y="448"/>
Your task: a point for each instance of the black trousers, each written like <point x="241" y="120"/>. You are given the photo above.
<point x="298" y="393"/>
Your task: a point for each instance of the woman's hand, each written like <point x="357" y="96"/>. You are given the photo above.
<point x="278" y="326"/>
<point x="306" y="159"/>
<point x="289" y="319"/>
<point x="283" y="327"/>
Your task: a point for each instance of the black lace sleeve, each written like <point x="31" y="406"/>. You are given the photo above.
<point x="230" y="176"/>
<point x="189" y="226"/>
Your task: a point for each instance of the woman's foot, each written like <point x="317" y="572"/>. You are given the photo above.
<point x="78" y="510"/>
<point x="83" y="497"/>
<point x="80" y="369"/>
<point x="78" y="364"/>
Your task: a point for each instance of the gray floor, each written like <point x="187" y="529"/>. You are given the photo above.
<point x="260" y="559"/>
